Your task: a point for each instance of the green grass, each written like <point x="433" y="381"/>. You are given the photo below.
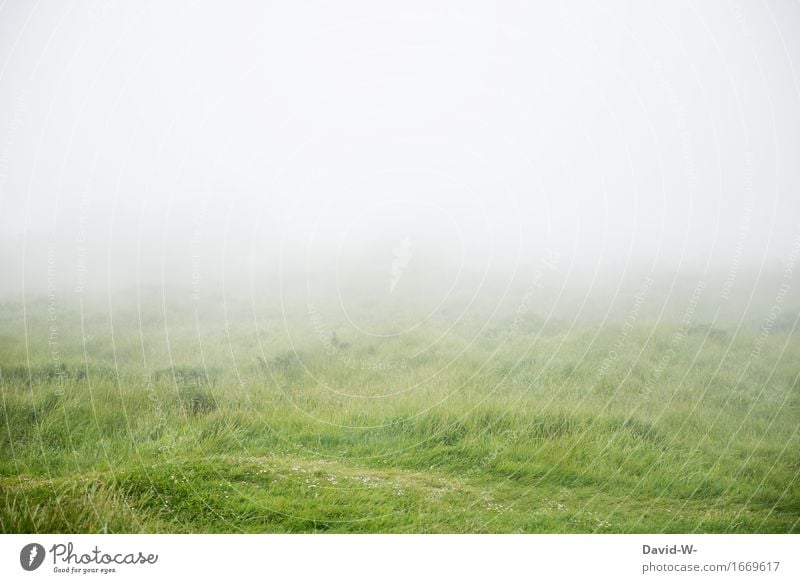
<point x="203" y="418"/>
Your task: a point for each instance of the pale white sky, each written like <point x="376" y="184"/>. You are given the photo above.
<point x="325" y="133"/>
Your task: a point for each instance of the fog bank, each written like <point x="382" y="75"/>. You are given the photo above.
<point x="197" y="143"/>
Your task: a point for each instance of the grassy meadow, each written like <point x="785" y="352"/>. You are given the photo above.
<point x="644" y="409"/>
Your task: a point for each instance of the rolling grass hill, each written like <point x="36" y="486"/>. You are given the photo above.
<point x="237" y="417"/>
